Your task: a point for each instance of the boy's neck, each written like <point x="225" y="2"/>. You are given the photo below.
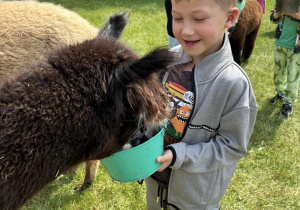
<point x="189" y="66"/>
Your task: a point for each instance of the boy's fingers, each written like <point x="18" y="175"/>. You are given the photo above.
<point x="160" y="159"/>
<point x="162" y="167"/>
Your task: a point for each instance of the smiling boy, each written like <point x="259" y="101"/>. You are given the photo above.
<point x="202" y="153"/>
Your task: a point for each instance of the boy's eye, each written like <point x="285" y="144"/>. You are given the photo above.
<point x="177" y="19"/>
<point x="199" y="19"/>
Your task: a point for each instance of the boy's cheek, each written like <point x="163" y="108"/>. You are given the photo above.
<point x="176" y="31"/>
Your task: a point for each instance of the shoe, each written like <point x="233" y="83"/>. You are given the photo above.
<point x="277" y="97"/>
<point x="286" y="109"/>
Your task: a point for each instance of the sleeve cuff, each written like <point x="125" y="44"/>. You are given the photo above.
<point x="174" y="154"/>
<point x="273" y="19"/>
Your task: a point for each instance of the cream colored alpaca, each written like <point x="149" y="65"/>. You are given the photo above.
<point x="30" y="30"/>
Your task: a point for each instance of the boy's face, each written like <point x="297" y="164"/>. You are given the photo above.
<point x="199" y="26"/>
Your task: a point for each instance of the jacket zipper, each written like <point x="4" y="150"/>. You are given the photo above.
<point x="194" y="91"/>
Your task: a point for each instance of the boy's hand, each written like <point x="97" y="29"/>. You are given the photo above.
<point x="295" y="15"/>
<point x="166" y="160"/>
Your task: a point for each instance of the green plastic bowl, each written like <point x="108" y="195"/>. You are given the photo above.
<point x="136" y="163"/>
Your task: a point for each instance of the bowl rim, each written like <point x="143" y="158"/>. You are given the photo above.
<point x="143" y="144"/>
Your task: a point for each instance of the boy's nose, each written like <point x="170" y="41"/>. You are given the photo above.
<point x="188" y="29"/>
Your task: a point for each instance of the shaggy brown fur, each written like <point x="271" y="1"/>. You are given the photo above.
<point x="31" y="30"/>
<point x="83" y="103"/>
<point x="244" y="35"/>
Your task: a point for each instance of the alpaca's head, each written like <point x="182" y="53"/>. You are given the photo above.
<point x="137" y="84"/>
<point x="138" y="92"/>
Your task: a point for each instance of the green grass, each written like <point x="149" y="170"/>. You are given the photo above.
<point x="267" y="178"/>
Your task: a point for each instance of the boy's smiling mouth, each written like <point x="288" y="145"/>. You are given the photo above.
<point x="191" y="43"/>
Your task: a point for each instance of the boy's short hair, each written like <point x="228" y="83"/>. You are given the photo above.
<point x="224" y="4"/>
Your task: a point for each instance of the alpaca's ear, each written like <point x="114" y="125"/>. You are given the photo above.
<point x="231" y="17"/>
<point x="114" y="25"/>
<point x="156" y="62"/>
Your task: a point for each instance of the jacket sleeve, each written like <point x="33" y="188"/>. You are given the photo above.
<point x="236" y="123"/>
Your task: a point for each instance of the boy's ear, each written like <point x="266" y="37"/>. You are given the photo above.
<point x="231" y="17"/>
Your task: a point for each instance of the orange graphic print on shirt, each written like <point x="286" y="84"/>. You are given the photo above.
<point x="180" y="119"/>
<point x="181" y="103"/>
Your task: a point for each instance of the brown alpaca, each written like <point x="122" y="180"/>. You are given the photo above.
<point x="243" y="37"/>
<point x="31" y="30"/>
<point x="83" y="103"/>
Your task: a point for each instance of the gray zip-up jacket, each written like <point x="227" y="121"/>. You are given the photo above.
<point x="216" y="136"/>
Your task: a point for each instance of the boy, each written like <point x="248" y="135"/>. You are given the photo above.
<point x="286" y="59"/>
<point x="214" y="111"/>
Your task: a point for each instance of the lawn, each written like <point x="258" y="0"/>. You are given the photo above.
<point x="266" y="178"/>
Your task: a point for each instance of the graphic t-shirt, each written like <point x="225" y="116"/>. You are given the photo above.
<point x="181" y="97"/>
